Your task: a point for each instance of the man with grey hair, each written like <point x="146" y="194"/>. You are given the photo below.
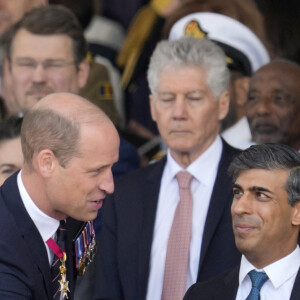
<point x="142" y="244"/>
<point x="46" y="209"/>
<point x="266" y="224"/>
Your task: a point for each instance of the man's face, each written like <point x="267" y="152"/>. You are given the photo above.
<point x="11" y="157"/>
<point x="186" y="112"/>
<point x="12" y="11"/>
<point x="264" y="224"/>
<point x="78" y="189"/>
<point x="40" y="65"/>
<point x="273" y="105"/>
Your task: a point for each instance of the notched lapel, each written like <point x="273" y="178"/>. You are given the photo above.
<point x="149" y="198"/>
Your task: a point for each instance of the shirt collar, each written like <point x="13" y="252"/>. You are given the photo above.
<point x="290" y="264"/>
<point x="46" y="225"/>
<point x="203" y="168"/>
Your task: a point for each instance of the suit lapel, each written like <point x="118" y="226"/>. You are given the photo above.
<point x="221" y="194"/>
<point x="296" y="288"/>
<point x="150" y="193"/>
<point x="74" y="228"/>
<point x="231" y="282"/>
<point x="27" y="229"/>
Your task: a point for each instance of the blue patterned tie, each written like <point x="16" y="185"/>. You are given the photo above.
<point x="258" y="279"/>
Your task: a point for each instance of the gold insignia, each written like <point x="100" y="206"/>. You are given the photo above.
<point x="194" y="29"/>
<point x="229" y="60"/>
<point x="64" y="288"/>
<point x="81" y="268"/>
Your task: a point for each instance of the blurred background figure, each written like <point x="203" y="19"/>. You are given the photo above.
<point x="114" y="10"/>
<point x="144" y="33"/>
<point x="11" y="157"/>
<point x="273" y="105"/>
<point x="104" y="38"/>
<point x="12" y="11"/>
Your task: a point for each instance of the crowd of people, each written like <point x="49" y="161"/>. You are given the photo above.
<point x="149" y="153"/>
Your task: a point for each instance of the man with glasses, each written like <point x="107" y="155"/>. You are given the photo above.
<point x="45" y="52"/>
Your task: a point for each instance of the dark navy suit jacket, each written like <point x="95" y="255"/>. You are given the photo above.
<point x="225" y="286"/>
<point x="24" y="265"/>
<point x="128" y="224"/>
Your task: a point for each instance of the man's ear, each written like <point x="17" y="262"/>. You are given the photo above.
<point x="7" y="86"/>
<point x="152" y="108"/>
<point x="83" y="73"/>
<point x="6" y="76"/>
<point x="46" y="162"/>
<point x="241" y="87"/>
<point x="296" y="214"/>
<point x="223" y="105"/>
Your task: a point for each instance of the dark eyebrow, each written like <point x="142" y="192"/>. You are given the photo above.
<point x="260" y="189"/>
<point x="237" y="186"/>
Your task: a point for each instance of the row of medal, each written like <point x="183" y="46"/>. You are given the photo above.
<point x="85" y="248"/>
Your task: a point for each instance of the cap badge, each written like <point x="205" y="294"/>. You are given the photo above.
<point x="194" y="29"/>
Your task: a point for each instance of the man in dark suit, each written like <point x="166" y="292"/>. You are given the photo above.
<point x="266" y="222"/>
<point x="66" y="175"/>
<point x="188" y="79"/>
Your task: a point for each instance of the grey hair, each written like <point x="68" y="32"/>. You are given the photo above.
<point x="189" y="51"/>
<point x="271" y="156"/>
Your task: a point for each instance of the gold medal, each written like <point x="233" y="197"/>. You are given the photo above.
<point x="64" y="288"/>
<point x="81" y="268"/>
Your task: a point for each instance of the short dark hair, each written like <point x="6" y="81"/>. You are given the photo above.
<point x="45" y="128"/>
<point x="49" y="20"/>
<point x="10" y="128"/>
<point x="271" y="156"/>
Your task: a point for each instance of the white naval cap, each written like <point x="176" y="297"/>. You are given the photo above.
<point x="244" y="50"/>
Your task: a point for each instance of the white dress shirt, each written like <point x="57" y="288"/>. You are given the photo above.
<point x="204" y="171"/>
<point x="282" y="275"/>
<point x="46" y="225"/>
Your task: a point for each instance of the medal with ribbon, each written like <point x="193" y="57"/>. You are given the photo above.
<point x="64" y="289"/>
<point x="85" y="248"/>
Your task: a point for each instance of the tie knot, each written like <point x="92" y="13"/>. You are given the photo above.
<point x="184" y="179"/>
<point x="258" y="278"/>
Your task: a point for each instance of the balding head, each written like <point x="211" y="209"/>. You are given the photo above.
<point x="273" y="104"/>
<point x="55" y="123"/>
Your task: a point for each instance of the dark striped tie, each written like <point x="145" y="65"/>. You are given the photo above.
<point x="55" y="272"/>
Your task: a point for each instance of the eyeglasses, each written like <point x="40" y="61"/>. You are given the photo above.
<point x="49" y="65"/>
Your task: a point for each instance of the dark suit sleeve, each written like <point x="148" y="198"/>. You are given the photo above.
<point x="107" y="283"/>
<point x="12" y="283"/>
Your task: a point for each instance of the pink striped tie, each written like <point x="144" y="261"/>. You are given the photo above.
<point x="177" y="258"/>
